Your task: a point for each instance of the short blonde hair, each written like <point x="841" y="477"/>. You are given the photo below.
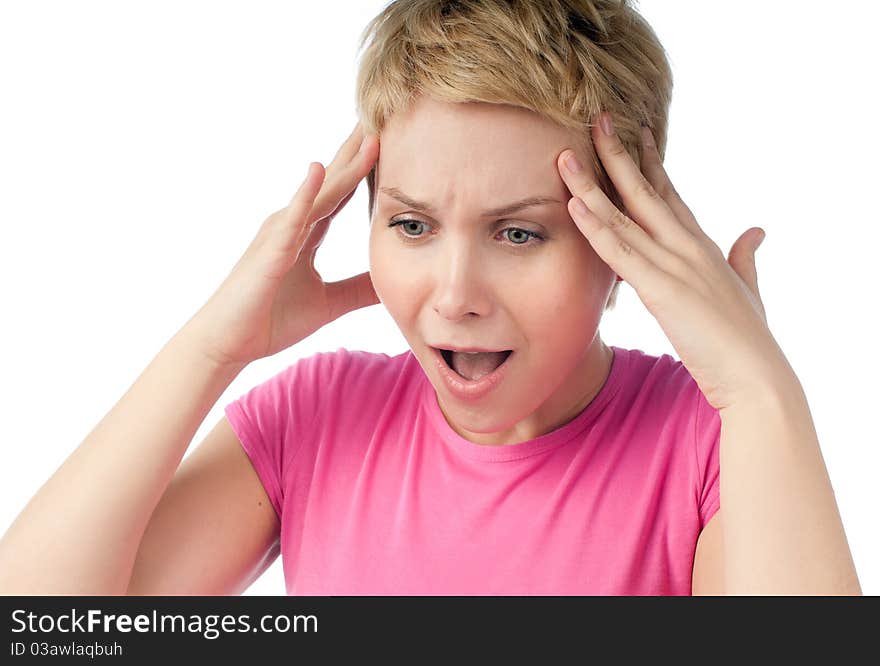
<point x="566" y="60"/>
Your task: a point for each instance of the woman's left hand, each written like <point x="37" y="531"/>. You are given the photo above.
<point x="708" y="306"/>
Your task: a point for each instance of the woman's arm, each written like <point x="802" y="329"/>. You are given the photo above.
<point x="783" y="533"/>
<point x="80" y="533"/>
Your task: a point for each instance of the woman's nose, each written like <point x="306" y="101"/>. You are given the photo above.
<point x="460" y="286"/>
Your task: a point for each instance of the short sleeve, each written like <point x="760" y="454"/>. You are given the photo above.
<point x="273" y="419"/>
<point x="707" y="437"/>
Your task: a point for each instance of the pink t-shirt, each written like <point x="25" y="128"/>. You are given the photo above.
<point x="378" y="495"/>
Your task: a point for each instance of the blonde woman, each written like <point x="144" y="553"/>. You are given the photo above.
<point x="513" y="154"/>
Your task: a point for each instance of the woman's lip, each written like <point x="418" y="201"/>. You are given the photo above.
<point x="469" y="389"/>
<point x="468" y="350"/>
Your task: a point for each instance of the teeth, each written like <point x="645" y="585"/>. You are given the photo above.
<point x="471" y="353"/>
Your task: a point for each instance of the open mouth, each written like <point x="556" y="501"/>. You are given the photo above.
<point x="474" y="366"/>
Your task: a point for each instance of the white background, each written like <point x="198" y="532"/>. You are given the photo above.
<point x="143" y="143"/>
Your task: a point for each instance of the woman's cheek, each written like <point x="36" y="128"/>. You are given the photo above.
<point x="389" y="272"/>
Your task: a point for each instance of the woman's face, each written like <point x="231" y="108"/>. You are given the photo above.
<point x="456" y="276"/>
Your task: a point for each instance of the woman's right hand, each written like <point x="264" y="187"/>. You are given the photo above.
<point x="274" y="297"/>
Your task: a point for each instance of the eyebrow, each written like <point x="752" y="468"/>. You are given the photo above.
<point x="507" y="209"/>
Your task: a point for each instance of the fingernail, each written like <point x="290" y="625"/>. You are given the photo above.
<point x="580" y="206"/>
<point x="761" y="239"/>
<point x="572" y="163"/>
<point x="607" y="125"/>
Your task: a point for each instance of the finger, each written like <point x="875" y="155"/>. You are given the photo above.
<point x="319" y="228"/>
<point x="583" y="185"/>
<point x="297" y="212"/>
<point x="321" y="216"/>
<point x="652" y="167"/>
<point x="641" y="199"/>
<point x="350" y="147"/>
<point x="628" y="262"/>
<point x="342" y="203"/>
<point x="346" y="151"/>
<point x="351" y="294"/>
<point x="345" y="178"/>
<point x="742" y="259"/>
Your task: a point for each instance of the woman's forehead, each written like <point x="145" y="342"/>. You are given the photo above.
<point x="486" y="141"/>
<point x="489" y="173"/>
<point x="432" y="123"/>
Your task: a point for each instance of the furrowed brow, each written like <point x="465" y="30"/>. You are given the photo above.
<point x="507" y="209"/>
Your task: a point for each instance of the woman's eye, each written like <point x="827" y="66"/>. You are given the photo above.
<point x="514" y="235"/>
<point x="519" y="236"/>
<point x="407" y="225"/>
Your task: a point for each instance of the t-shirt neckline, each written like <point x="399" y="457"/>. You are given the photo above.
<point x="553" y="439"/>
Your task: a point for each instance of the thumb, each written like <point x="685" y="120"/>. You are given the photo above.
<point x="742" y="259"/>
<point x="742" y="256"/>
<point x="351" y="294"/>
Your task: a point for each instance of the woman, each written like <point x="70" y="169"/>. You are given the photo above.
<point x="571" y="468"/>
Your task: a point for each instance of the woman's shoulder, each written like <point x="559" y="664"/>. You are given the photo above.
<point x="658" y="379"/>
<point x="340" y="381"/>
<point x="358" y="360"/>
<point x="348" y="369"/>
<point x="652" y="369"/>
